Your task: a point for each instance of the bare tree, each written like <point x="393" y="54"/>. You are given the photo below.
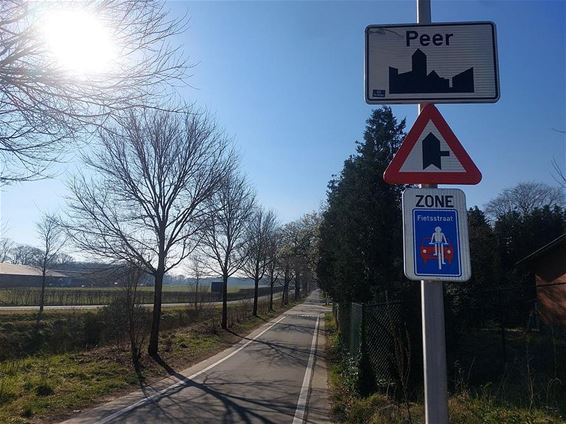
<point x="197" y="268"/>
<point x="6" y="246"/>
<point x="273" y="265"/>
<point x="154" y="175"/>
<point x="259" y="232"/>
<point x="308" y="247"/>
<point x="524" y="198"/>
<point x="63" y="259"/>
<point x="298" y="253"/>
<point x="224" y="231"/>
<point x="286" y="258"/>
<point x="559" y="174"/>
<point x="52" y="239"/>
<point x="25" y="255"/>
<point x="291" y="258"/>
<point x="44" y="105"/>
<point x="136" y="313"/>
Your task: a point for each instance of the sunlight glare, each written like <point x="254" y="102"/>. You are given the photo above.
<point x="80" y="42"/>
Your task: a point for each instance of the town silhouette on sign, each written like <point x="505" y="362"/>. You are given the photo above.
<point x="419" y="81"/>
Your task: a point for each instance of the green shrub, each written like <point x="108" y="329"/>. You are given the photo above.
<point x="27" y="412"/>
<point x="44" y="389"/>
<point x="93" y="327"/>
<point x="7" y="394"/>
<point x="376" y="408"/>
<point x="115" y="319"/>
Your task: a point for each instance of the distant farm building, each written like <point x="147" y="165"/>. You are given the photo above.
<point x="549" y="266"/>
<point x="13" y="276"/>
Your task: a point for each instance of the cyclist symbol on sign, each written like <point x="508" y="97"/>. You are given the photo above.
<point x="438" y="239"/>
<point x="435" y="243"/>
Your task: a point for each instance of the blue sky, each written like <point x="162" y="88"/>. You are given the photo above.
<point x="285" y="79"/>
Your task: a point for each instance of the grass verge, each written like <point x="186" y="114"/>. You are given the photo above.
<point x="464" y="408"/>
<point x="49" y="388"/>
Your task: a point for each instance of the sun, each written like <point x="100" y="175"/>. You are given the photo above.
<point x="79" y="42"/>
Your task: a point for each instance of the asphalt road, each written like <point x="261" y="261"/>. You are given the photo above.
<point x="276" y="374"/>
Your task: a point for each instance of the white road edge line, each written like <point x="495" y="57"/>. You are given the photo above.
<point x="302" y="402"/>
<point x="164" y="391"/>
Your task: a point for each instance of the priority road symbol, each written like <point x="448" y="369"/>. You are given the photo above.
<point x="431" y="154"/>
<point x="435" y="233"/>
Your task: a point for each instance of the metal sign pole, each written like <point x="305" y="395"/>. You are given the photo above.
<point x="432" y="305"/>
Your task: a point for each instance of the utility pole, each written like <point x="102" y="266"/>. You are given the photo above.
<point x="430" y="142"/>
<point x="432" y="308"/>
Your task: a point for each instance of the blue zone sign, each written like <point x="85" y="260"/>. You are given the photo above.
<point x="436" y="243"/>
<point x="435" y="235"/>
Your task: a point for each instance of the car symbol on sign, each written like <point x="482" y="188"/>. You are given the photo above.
<point x="427" y="251"/>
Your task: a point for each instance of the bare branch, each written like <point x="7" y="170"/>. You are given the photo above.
<point x="157" y="173"/>
<point x="45" y="107"/>
<point x="259" y="235"/>
<point x="524" y="198"/>
<point x="6" y="246"/>
<point x="559" y="174"/>
<point x="224" y="231"/>
<point x="52" y="238"/>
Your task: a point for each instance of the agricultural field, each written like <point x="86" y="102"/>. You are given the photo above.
<point x="102" y="296"/>
<point x="76" y="329"/>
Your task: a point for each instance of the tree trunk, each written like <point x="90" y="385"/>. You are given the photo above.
<point x="133" y="326"/>
<point x="286" y="281"/>
<point x="224" y="322"/>
<point x="285" y="298"/>
<point x="297" y="287"/>
<point x="156" y="318"/>
<point x="42" y="296"/>
<point x="271" y="296"/>
<point x="196" y="296"/>
<point x="256" y="294"/>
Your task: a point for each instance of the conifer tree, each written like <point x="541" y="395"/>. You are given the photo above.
<point x="361" y="230"/>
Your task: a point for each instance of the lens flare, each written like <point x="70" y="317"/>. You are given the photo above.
<point x="80" y="43"/>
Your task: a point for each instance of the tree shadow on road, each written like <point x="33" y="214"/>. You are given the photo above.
<point x="236" y="403"/>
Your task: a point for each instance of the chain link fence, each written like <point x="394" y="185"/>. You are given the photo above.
<point x="381" y="336"/>
<point x="494" y="335"/>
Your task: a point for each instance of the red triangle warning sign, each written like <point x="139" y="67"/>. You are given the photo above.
<point x="431" y="154"/>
